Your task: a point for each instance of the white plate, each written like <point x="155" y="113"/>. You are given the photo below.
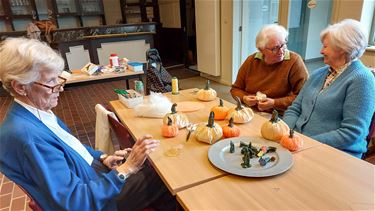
<point x="220" y="157"/>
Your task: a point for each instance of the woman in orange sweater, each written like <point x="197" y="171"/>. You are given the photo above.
<point x="274" y="71"/>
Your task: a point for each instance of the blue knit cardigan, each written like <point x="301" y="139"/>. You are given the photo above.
<point x="55" y="175"/>
<point x="339" y="115"/>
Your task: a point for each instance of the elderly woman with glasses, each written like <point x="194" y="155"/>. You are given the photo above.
<point x="274" y="71"/>
<point x="336" y="104"/>
<point x="39" y="153"/>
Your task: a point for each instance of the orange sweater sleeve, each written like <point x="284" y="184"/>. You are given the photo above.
<point x="239" y="86"/>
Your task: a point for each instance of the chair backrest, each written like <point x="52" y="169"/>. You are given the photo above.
<point x="121" y="133"/>
<point x="371" y="133"/>
<point x="370" y="147"/>
<point x="158" y="78"/>
<point x="32" y="203"/>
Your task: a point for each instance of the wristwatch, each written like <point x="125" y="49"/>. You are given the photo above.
<point x="122" y="176"/>
<point x="103" y="157"/>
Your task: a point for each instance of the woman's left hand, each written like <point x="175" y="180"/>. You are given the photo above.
<point x="112" y="161"/>
<point x="266" y="104"/>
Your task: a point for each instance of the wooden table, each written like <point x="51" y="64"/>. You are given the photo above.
<point x="322" y="178"/>
<point x="78" y="76"/>
<point x="192" y="166"/>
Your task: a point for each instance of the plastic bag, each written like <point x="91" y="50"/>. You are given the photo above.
<point x="156" y="106"/>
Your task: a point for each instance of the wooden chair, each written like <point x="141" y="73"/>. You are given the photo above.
<point x="370" y="154"/>
<point x="32" y="203"/>
<point x="120" y="133"/>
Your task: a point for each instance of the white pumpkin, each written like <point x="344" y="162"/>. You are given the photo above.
<point x="239" y="113"/>
<point x="207" y="94"/>
<point x="179" y="119"/>
<point x="275" y="128"/>
<point x="209" y="133"/>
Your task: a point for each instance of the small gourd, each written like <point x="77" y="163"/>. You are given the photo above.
<point x="207" y="94"/>
<point x="169" y="130"/>
<point x="179" y="119"/>
<point x="231" y="130"/>
<point x="220" y="110"/>
<point x="275" y="128"/>
<point x="291" y="141"/>
<point x="239" y="113"/>
<point x="209" y="133"/>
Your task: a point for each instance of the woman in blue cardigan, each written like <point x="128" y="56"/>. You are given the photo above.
<point x="336" y="104"/>
<point x="39" y="153"/>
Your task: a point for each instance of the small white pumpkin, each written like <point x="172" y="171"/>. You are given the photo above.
<point x="179" y="119"/>
<point x="239" y="113"/>
<point x="207" y="94"/>
<point x="275" y="128"/>
<point x="209" y="133"/>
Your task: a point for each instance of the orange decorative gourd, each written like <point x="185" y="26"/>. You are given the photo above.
<point x="291" y="141"/>
<point x="275" y="128"/>
<point x="231" y="130"/>
<point x="220" y="110"/>
<point x="169" y="130"/>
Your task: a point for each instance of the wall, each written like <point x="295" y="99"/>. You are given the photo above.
<point x="208" y="20"/>
<point x="368" y="57"/>
<point x="112" y="11"/>
<point x="170" y="13"/>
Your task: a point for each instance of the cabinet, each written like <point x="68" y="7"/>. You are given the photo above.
<point x="137" y="11"/>
<point x="16" y="14"/>
<point x="81" y="13"/>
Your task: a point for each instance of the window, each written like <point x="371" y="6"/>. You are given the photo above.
<point x="372" y="32"/>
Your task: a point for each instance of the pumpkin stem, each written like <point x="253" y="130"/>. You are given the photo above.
<point x="230" y="122"/>
<point x="221" y="104"/>
<point x="211" y="119"/>
<point x="173" y="109"/>
<point x="275" y="117"/>
<point x="239" y="104"/>
<point x="207" y="85"/>
<point x="291" y="133"/>
<point x="169" y="121"/>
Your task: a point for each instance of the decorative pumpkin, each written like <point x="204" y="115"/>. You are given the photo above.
<point x="220" y="111"/>
<point x="209" y="133"/>
<point x="231" y="130"/>
<point x="207" y="94"/>
<point x="179" y="119"/>
<point x="260" y="96"/>
<point x="240" y="114"/>
<point x="291" y="141"/>
<point x="169" y="130"/>
<point x="275" y="128"/>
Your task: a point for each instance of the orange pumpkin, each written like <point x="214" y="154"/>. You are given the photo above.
<point x="169" y="130"/>
<point x="220" y="111"/>
<point x="275" y="128"/>
<point x="291" y="141"/>
<point x="231" y="130"/>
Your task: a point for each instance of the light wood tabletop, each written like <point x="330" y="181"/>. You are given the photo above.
<point x="192" y="166"/>
<point x="322" y="178"/>
<point x="78" y="76"/>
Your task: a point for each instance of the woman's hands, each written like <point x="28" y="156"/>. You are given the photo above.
<point x="113" y="161"/>
<point x="138" y="154"/>
<point x="263" y="105"/>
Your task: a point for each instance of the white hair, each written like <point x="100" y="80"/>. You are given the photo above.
<point x="22" y="60"/>
<point x="268" y="31"/>
<point x="348" y="36"/>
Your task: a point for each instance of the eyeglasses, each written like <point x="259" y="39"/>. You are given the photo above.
<point x="57" y="87"/>
<point x="277" y="48"/>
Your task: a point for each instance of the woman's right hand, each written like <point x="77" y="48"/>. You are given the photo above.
<point x="138" y="154"/>
<point x="250" y="100"/>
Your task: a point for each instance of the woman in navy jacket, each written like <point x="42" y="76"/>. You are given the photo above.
<point x="39" y="153"/>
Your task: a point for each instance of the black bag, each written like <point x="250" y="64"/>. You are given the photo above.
<point x="157" y="78"/>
